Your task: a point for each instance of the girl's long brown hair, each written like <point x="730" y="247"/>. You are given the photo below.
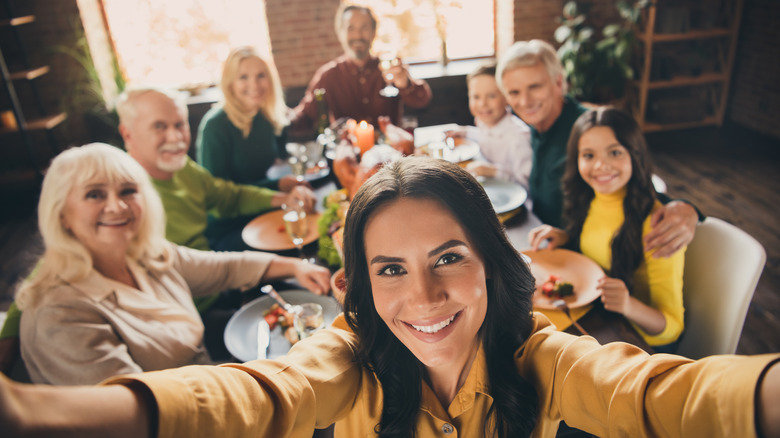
<point x="627" y="248"/>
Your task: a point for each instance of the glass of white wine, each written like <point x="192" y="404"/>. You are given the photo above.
<point x="387" y="60"/>
<point x="296" y="224"/>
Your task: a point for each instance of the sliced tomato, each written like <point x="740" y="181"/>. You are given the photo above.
<point x="553" y="278"/>
<point x="271" y="318"/>
<point x="548" y="287"/>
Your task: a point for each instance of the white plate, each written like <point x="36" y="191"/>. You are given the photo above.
<point x="505" y="196"/>
<point x="464" y="150"/>
<point x="241" y="330"/>
<point x="277" y="171"/>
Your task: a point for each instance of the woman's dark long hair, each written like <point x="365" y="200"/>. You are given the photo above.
<point x="627" y="248"/>
<point x="510" y="287"/>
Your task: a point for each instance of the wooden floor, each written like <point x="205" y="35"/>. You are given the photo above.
<point x="727" y="173"/>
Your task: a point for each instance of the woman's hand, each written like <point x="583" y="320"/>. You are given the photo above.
<point x="313" y="277"/>
<point x="614" y="295"/>
<point x="555" y="237"/>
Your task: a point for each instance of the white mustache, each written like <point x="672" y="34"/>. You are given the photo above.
<point x="173" y="147"/>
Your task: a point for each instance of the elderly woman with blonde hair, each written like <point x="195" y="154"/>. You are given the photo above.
<point x="240" y="138"/>
<point x="111" y="295"/>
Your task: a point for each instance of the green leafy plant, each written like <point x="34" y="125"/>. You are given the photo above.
<point x="86" y="96"/>
<point x="598" y="70"/>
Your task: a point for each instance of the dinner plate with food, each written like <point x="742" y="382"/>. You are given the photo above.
<point x="267" y="232"/>
<point x="312" y="174"/>
<point x="565" y="275"/>
<point x="241" y="332"/>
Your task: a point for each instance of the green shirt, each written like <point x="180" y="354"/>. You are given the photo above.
<point x="222" y="149"/>
<point x="549" y="164"/>
<point x="193" y="193"/>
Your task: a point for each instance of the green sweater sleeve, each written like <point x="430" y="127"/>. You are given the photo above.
<point x="11" y="324"/>
<point x="227" y="199"/>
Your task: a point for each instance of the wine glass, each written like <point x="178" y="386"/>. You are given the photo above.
<point x="298" y="160"/>
<point x="387" y="60"/>
<point x="296" y="224"/>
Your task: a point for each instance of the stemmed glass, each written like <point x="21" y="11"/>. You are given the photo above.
<point x="296" y="224"/>
<point x="298" y="160"/>
<point x="387" y="60"/>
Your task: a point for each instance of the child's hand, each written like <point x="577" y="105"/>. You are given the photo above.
<point x="555" y="237"/>
<point x="614" y="295"/>
<point x="482" y="168"/>
<point x="459" y="132"/>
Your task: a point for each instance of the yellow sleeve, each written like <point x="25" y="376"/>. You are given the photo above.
<point x="259" y="398"/>
<point x="619" y="390"/>
<point x="663" y="279"/>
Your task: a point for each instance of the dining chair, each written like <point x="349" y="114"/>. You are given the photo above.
<point x="722" y="267"/>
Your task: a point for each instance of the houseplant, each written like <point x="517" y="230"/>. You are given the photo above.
<point x="598" y="65"/>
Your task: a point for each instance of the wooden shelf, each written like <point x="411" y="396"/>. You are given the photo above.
<point x="30" y="74"/>
<point x="685" y="81"/>
<point x="691" y="35"/>
<point x="41" y="124"/>
<point x="724" y="38"/>
<point x="655" y="127"/>
<point x="17" y="21"/>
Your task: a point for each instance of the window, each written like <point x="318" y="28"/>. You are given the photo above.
<point x="416" y="28"/>
<point x="175" y="42"/>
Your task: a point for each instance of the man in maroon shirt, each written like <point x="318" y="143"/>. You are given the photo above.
<point x="352" y="81"/>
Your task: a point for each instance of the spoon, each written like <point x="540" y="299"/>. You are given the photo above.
<point x="269" y="290"/>
<point x="561" y="305"/>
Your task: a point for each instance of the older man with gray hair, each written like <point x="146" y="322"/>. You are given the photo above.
<point x="532" y="79"/>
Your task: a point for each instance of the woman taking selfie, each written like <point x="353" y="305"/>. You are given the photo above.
<point x="439" y="337"/>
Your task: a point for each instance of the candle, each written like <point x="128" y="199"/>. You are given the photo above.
<point x="365" y="136"/>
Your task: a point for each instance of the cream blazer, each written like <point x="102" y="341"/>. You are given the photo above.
<point x="85" y="332"/>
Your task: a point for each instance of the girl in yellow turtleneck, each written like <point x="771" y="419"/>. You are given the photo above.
<point x="608" y="202"/>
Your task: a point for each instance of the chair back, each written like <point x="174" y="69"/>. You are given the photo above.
<point x="722" y="267"/>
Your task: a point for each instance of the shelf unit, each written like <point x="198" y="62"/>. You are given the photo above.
<point x="705" y="91"/>
<point x="17" y="119"/>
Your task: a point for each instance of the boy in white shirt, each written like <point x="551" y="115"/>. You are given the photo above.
<point x="504" y="140"/>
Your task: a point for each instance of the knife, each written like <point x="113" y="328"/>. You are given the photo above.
<point x="263" y="338"/>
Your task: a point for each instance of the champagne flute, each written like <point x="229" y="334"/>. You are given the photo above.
<point x="296" y="224"/>
<point x="387" y="60"/>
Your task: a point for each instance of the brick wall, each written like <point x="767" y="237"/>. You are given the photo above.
<point x="755" y="92"/>
<point x="302" y="39"/>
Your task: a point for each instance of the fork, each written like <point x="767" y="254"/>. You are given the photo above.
<point x="269" y="290"/>
<point x="563" y="307"/>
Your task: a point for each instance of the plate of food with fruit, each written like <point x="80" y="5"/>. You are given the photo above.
<point x="241" y="330"/>
<point x="563" y="275"/>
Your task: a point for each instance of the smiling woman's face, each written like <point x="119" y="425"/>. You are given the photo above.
<point x="428" y="280"/>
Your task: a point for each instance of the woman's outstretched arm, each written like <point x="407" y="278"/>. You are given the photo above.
<point x="76" y="411"/>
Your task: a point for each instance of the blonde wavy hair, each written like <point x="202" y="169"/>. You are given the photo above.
<point x="66" y="259"/>
<point x="273" y="109"/>
<point x="529" y="54"/>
